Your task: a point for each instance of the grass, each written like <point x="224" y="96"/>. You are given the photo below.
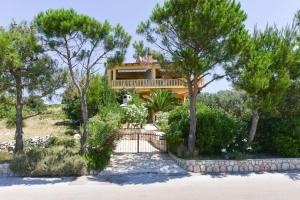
<point x="5" y="157"/>
<point x="51" y="122"/>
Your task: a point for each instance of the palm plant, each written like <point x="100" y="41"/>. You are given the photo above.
<point x="161" y="100"/>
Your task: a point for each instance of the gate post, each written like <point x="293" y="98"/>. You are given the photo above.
<point x="138" y="142"/>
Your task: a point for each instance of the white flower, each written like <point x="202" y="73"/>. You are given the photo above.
<point x="223" y="150"/>
<point x="249" y="148"/>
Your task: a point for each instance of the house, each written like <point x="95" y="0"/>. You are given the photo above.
<point x="146" y="75"/>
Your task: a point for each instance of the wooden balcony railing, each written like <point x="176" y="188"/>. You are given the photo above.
<point x="148" y="83"/>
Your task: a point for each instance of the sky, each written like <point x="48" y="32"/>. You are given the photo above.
<point x="129" y="13"/>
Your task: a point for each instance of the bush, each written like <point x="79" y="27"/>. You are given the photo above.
<point x="286" y="146"/>
<point x="272" y="125"/>
<point x="54" y="161"/>
<point x="67" y="142"/>
<point x="35" y="104"/>
<point x="103" y="128"/>
<point x="134" y="114"/>
<point x="162" y="120"/>
<point x="216" y="130"/>
<point x="99" y="96"/>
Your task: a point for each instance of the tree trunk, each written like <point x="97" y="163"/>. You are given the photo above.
<point x="193" y="117"/>
<point x="255" y="118"/>
<point x="84" y="112"/>
<point x="19" y="118"/>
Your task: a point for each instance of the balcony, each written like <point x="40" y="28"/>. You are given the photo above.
<point x="148" y="83"/>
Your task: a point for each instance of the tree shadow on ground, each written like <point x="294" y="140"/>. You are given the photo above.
<point x="30" y="181"/>
<point x="293" y="175"/>
<point x="138" y="178"/>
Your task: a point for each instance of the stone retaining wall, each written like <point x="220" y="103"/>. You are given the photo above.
<point x="34" y="141"/>
<point x="250" y="165"/>
<point x="5" y="171"/>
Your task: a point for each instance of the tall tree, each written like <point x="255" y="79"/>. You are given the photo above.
<point x="83" y="44"/>
<point x="264" y="70"/>
<point x="194" y="37"/>
<point x="140" y="50"/>
<point x="25" y="67"/>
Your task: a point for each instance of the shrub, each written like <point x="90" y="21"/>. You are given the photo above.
<point x="162" y="120"/>
<point x="216" y="129"/>
<point x="134" y="114"/>
<point x="101" y="139"/>
<point x="54" y="161"/>
<point x="99" y="96"/>
<point x="67" y="142"/>
<point x="272" y="125"/>
<point x="286" y="146"/>
<point x="35" y="104"/>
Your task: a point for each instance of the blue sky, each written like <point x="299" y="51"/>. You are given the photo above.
<point x="130" y="12"/>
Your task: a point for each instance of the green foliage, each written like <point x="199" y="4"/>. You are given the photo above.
<point x="193" y="45"/>
<point x="135" y="98"/>
<point x="162" y="120"/>
<point x="10" y="121"/>
<point x="67" y="142"/>
<point x="232" y="102"/>
<point x="216" y="129"/>
<point x="6" y="106"/>
<point x="140" y="50"/>
<point x="35" y="104"/>
<point x="93" y="37"/>
<point x="23" y="57"/>
<point x="54" y="161"/>
<point x="286" y="146"/>
<point x="99" y="96"/>
<point x="271" y="126"/>
<point x="135" y="115"/>
<point x="101" y="140"/>
<point x="263" y="69"/>
<point x="161" y="100"/>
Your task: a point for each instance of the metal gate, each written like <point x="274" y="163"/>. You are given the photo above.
<point x="138" y="141"/>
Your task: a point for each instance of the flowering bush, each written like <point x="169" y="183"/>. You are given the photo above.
<point x="135" y="115"/>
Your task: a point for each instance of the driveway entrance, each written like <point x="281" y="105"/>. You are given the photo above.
<point x="141" y="151"/>
<point x="140" y="141"/>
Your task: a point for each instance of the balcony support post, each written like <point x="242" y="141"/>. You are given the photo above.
<point x="108" y="74"/>
<point x="153" y="71"/>
<point x="114" y="74"/>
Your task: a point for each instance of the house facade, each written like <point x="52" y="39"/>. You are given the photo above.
<point x="144" y="76"/>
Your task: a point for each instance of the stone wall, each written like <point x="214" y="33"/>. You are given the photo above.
<point x="250" y="165"/>
<point x="5" y="171"/>
<point x="34" y="141"/>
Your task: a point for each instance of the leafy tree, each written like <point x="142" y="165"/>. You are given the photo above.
<point x="233" y="102"/>
<point x="264" y="70"/>
<point x="194" y="37"/>
<point x="161" y="100"/>
<point x="25" y="67"/>
<point x="82" y="43"/>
